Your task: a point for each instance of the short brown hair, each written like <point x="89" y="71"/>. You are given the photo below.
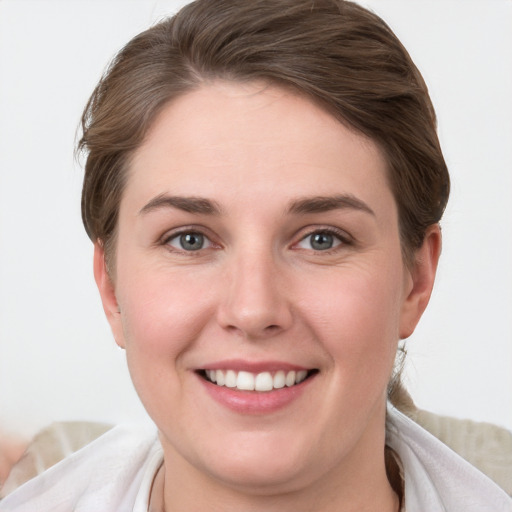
<point x="334" y="52"/>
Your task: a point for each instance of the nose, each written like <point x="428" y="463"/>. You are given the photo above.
<point x="255" y="303"/>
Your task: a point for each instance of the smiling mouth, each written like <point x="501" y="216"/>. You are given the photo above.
<point x="263" y="381"/>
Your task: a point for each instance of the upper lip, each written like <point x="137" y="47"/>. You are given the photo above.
<point x="253" y="366"/>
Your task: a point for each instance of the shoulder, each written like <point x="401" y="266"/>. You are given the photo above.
<point x="436" y="478"/>
<point x="486" y="446"/>
<point x="105" y="474"/>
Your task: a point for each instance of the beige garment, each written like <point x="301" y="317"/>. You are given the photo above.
<point x="49" y="447"/>
<point x="485" y="446"/>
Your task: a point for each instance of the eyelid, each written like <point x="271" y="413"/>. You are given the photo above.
<point x="190" y="229"/>
<point x="340" y="234"/>
<point x="345" y="238"/>
<point x="177" y="239"/>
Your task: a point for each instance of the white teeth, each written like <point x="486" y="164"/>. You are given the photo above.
<point x="219" y="378"/>
<point x="264" y="381"/>
<point x="230" y="379"/>
<point x="301" y="375"/>
<point x="245" y="381"/>
<point x="279" y="379"/>
<point x="290" y="379"/>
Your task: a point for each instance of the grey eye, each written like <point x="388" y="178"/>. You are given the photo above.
<point x="189" y="241"/>
<point x="320" y="241"/>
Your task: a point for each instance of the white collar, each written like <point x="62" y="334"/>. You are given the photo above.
<point x="436" y="478"/>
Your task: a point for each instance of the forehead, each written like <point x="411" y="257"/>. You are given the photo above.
<point x="253" y="136"/>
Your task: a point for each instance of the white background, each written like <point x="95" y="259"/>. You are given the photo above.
<point x="57" y="357"/>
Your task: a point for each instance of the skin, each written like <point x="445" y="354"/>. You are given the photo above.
<point x="11" y="450"/>
<point x="260" y="291"/>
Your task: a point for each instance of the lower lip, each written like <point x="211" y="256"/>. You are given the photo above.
<point x="255" y="402"/>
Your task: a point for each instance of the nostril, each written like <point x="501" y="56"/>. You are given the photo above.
<point x="272" y="330"/>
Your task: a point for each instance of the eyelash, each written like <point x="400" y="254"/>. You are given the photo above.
<point x="341" y="236"/>
<point x="169" y="237"/>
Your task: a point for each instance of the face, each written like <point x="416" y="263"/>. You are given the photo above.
<point x="259" y="288"/>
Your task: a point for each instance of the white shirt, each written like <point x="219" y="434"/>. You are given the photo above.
<point x="436" y="478"/>
<point x="114" y="473"/>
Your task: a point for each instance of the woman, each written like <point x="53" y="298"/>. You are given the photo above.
<point x="263" y="187"/>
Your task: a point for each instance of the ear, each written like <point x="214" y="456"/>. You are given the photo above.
<point x="421" y="278"/>
<point x="108" y="295"/>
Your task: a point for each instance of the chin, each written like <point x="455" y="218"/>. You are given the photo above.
<point x="263" y="466"/>
<point x="262" y="479"/>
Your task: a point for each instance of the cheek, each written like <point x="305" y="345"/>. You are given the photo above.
<point x="162" y="317"/>
<point x="356" y="315"/>
<point x="162" y="312"/>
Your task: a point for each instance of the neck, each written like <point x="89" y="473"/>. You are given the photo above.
<point x="347" y="487"/>
<point x="167" y="498"/>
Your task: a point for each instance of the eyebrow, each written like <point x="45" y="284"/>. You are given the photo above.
<point x="197" y="205"/>
<point x="319" y="204"/>
<point x="315" y="204"/>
